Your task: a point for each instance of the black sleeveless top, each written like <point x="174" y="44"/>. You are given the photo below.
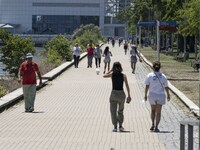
<point x="117" y="81"/>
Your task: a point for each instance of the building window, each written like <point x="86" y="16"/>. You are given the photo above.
<point x="48" y="24"/>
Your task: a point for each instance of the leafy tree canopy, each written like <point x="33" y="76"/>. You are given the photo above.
<point x="14" y="51"/>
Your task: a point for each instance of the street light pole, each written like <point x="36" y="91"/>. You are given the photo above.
<point x="158" y="40"/>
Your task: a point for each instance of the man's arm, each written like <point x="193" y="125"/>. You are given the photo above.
<point x="39" y="76"/>
<point x="19" y="76"/>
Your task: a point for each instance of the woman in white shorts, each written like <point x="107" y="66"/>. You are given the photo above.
<point x="107" y="53"/>
<point x="156" y="85"/>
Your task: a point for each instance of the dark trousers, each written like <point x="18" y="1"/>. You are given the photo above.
<point x="76" y="61"/>
<point x="97" y="62"/>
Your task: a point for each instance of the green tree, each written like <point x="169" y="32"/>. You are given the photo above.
<point x="13" y="51"/>
<point x="84" y="34"/>
<point x="136" y="12"/>
<point x="61" y="45"/>
<point x="188" y="18"/>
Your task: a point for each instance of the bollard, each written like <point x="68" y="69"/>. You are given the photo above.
<point x="191" y="124"/>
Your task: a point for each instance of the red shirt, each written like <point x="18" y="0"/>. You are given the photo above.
<point x="90" y="51"/>
<point x="28" y="72"/>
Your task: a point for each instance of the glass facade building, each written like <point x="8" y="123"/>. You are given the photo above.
<point x="63" y="16"/>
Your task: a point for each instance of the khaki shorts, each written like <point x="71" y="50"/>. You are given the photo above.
<point x="157" y="99"/>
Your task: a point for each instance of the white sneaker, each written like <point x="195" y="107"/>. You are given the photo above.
<point x="121" y="129"/>
<point x="114" y="130"/>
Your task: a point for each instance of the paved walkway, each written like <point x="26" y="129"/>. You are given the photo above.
<point x="72" y="113"/>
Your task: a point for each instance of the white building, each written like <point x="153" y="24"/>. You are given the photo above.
<point x="62" y="16"/>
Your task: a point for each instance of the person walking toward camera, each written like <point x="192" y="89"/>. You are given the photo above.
<point x="117" y="96"/>
<point x="90" y="52"/>
<point x="27" y="71"/>
<point x="156" y="85"/>
<point x="76" y="54"/>
<point x="97" y="55"/>
<point x="133" y="56"/>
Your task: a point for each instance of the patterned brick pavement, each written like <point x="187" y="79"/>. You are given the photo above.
<point x="72" y="113"/>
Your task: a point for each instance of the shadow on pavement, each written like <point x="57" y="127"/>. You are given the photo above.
<point x="163" y="132"/>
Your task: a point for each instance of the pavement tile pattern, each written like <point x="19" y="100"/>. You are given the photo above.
<point x="72" y="113"/>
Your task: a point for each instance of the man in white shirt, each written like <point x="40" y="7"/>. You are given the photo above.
<point x="76" y="54"/>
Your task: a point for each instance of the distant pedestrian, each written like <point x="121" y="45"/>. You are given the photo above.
<point x="156" y="85"/>
<point x="113" y="41"/>
<point x="133" y="56"/>
<point x="107" y="54"/>
<point x="97" y="55"/>
<point x="27" y="71"/>
<point x="117" y="97"/>
<point x="125" y="47"/>
<point x="76" y="54"/>
<point x="120" y="40"/>
<point x="90" y="52"/>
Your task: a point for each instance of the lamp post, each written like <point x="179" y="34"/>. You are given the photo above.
<point x="158" y="39"/>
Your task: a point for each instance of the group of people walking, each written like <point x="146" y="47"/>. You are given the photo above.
<point x="155" y="89"/>
<point x="93" y="52"/>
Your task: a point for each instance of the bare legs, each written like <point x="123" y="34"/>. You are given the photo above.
<point x="133" y="65"/>
<point x="105" y="66"/>
<point x="155" y="115"/>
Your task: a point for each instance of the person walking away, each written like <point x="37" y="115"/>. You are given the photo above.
<point x="133" y="56"/>
<point x="27" y="71"/>
<point x="90" y="52"/>
<point x="117" y="96"/>
<point x="107" y="53"/>
<point x="125" y="47"/>
<point x="156" y="85"/>
<point x="76" y="54"/>
<point x="97" y="55"/>
<point x="113" y="41"/>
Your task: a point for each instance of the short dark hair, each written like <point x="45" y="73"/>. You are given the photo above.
<point x="117" y="67"/>
<point x="156" y="65"/>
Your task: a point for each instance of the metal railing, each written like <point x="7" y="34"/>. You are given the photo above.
<point x="190" y="124"/>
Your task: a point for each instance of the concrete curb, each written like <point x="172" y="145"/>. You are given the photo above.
<point x="192" y="107"/>
<point x="60" y="69"/>
<point x="12" y="98"/>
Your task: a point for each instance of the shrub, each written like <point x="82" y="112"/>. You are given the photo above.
<point x="53" y="57"/>
<point x="60" y="44"/>
<point x="2" y="91"/>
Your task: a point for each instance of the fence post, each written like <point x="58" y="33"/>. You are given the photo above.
<point x="182" y="137"/>
<point x="190" y="137"/>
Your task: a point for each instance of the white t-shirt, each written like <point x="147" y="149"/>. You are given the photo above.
<point x="154" y="83"/>
<point x="76" y="51"/>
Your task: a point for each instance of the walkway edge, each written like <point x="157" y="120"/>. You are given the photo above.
<point x="58" y="70"/>
<point x="192" y="107"/>
<point x="15" y="96"/>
